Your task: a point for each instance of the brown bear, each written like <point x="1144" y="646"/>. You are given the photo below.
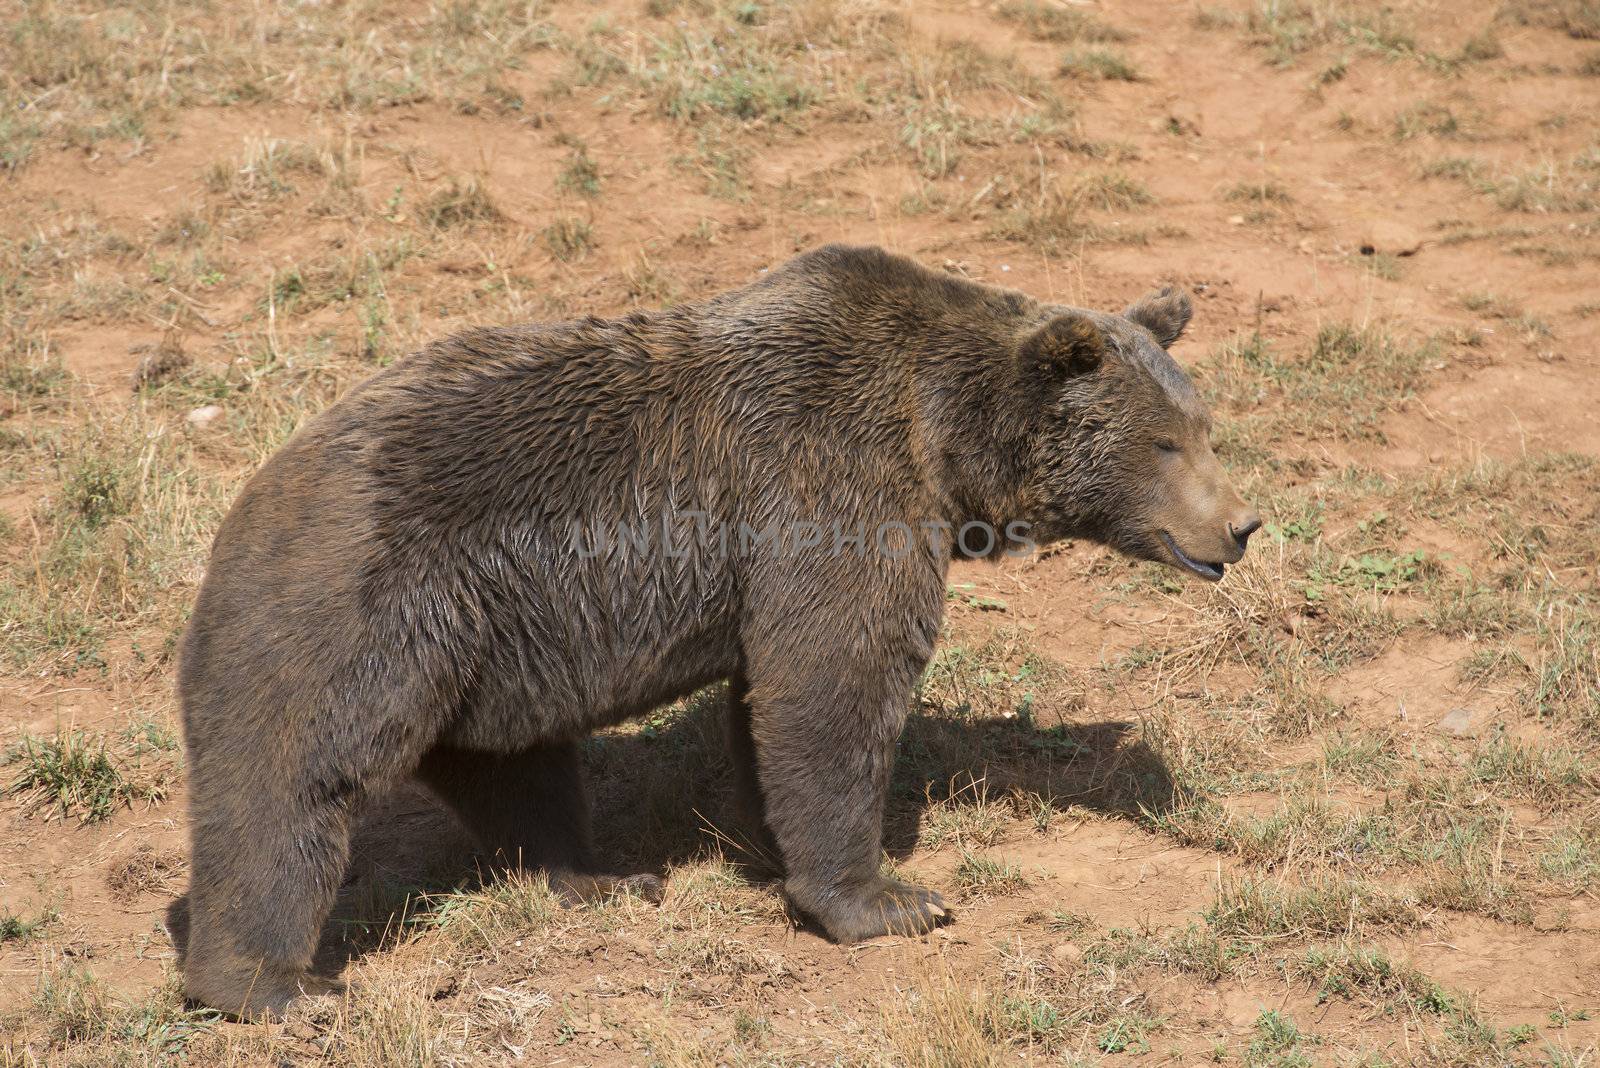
<point x="516" y="536"/>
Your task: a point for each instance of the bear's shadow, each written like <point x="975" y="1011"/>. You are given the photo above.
<point x="662" y="796"/>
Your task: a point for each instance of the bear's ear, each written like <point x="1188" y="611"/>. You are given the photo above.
<point x="1164" y="313"/>
<point x="1066" y="345"/>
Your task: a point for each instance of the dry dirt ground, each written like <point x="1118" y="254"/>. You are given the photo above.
<point x="1340" y="809"/>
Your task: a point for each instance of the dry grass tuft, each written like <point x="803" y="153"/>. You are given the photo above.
<point x="1044" y="21"/>
<point x="462" y="203"/>
<point x="146" y="870"/>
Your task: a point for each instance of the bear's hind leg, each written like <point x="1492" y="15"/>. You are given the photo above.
<point x="266" y="865"/>
<point x="529" y="809"/>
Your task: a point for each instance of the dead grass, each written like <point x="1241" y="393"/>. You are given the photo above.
<point x="1348" y="380"/>
<point x="461" y="203"/>
<point x="1045" y="21"/>
<point x="1577" y="18"/>
<point x="981" y="876"/>
<point x="145" y="870"/>
<point x="72" y="1019"/>
<point x="1249" y="909"/>
<point x="1289" y="29"/>
<point x="1098" y="64"/>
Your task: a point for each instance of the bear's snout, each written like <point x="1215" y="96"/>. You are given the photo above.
<point x="1210" y="533"/>
<point x="1241" y="528"/>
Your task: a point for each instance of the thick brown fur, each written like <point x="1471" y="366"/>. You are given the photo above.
<point x="403" y="589"/>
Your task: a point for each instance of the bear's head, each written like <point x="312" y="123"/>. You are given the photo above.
<point x="1121" y="441"/>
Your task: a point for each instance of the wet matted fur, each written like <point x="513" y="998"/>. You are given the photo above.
<point x="516" y="536"/>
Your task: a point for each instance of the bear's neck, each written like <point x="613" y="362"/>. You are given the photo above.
<point x="967" y="433"/>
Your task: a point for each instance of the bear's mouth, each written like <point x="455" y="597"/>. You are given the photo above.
<point x="1212" y="572"/>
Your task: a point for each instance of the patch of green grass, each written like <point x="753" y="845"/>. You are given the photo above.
<point x="1056" y="219"/>
<point x="1045" y="21"/>
<point x="985" y="1025"/>
<point x="1306" y="828"/>
<point x="1521" y="513"/>
<point x="1278" y="1043"/>
<point x="997" y="679"/>
<point x="73" y="1005"/>
<point x="695" y="73"/>
<point x="1572" y="856"/>
<point x="1531" y="327"/>
<point x="1127" y="1033"/>
<point x="1481" y="46"/>
<point x="1379" y="572"/>
<point x="1466" y="876"/>
<point x="1552" y="776"/>
<point x="1489" y="304"/>
<point x="151" y="736"/>
<point x="1333" y="72"/>
<point x="1494" y="663"/>
<point x="928" y="71"/>
<point x="17" y="140"/>
<point x="1361" y="756"/>
<point x="17" y="927"/>
<point x="647" y="284"/>
<point x="1208" y="17"/>
<point x="1469" y="1039"/>
<point x="967" y="816"/>
<point x="1555" y="254"/>
<point x="937" y="135"/>
<point x="982" y="875"/>
<point x="130" y="518"/>
<point x="1567" y="666"/>
<point x="1098" y="64"/>
<point x="354" y="274"/>
<point x="267" y="169"/>
<point x="720" y="159"/>
<point x="581" y="174"/>
<point x="1468" y="610"/>
<point x="95" y="83"/>
<point x="1355" y="971"/>
<point x="74" y="775"/>
<point x="31" y="372"/>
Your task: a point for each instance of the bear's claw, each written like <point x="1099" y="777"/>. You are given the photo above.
<point x="886" y="907"/>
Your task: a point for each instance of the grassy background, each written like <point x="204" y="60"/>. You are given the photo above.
<point x="1339" y="809"/>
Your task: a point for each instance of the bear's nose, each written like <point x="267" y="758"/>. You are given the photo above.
<point x="1241" y="531"/>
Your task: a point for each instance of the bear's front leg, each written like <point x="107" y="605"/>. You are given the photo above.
<point x="824" y="723"/>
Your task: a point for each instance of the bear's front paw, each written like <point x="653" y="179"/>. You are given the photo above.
<point x="883" y="907"/>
